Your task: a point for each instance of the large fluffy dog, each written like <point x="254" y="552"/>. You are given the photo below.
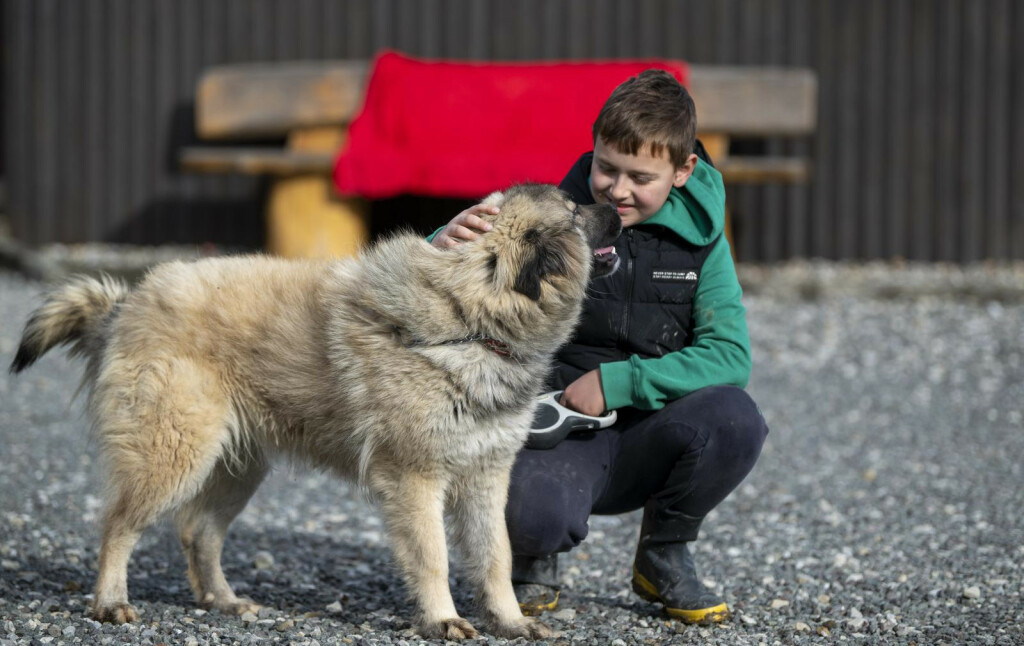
<point x="411" y="370"/>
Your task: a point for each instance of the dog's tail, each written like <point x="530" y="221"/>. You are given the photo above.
<point x="73" y="313"/>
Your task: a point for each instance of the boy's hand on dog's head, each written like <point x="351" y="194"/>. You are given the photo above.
<point x="464" y="227"/>
<point x="585" y="395"/>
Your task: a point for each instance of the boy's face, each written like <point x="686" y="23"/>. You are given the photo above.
<point x="637" y="185"/>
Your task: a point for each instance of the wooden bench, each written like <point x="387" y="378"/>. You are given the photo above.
<point x="310" y="103"/>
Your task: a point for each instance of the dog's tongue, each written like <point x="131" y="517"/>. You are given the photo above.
<point x="604" y="250"/>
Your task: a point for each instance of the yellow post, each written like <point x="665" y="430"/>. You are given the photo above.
<point x="305" y="218"/>
<point x="717" y="147"/>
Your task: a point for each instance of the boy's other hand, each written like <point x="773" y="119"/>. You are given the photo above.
<point x="585" y="395"/>
<point x="464" y="227"/>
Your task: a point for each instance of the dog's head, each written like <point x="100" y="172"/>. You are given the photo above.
<point x="542" y="241"/>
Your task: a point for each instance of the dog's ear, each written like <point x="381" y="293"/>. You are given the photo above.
<point x="542" y="262"/>
<point x="494" y="199"/>
<point x="528" y="280"/>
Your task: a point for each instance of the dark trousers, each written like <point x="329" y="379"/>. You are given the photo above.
<point x="679" y="462"/>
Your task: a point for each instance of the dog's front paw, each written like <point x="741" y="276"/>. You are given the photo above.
<point x="240" y="607"/>
<point x="115" y="613"/>
<point x="531" y="629"/>
<point x="455" y="628"/>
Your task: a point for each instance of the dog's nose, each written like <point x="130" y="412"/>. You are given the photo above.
<point x="611" y="216"/>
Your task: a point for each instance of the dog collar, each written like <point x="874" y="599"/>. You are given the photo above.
<point x="499" y="348"/>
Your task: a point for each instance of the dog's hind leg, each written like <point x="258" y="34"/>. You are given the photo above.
<point x="134" y="509"/>
<point x="413" y="509"/>
<point x="202" y="525"/>
<point x="162" y="430"/>
<point x="478" y="518"/>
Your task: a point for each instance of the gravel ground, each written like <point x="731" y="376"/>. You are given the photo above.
<point x="885" y="507"/>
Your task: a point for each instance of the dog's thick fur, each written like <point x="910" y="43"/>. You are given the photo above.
<point x="411" y="370"/>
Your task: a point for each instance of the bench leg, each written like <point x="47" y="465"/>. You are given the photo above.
<point x="305" y="219"/>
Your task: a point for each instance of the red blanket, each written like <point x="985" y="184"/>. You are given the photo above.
<point x="458" y="129"/>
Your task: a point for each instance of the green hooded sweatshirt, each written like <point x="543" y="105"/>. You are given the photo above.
<point x="720" y="350"/>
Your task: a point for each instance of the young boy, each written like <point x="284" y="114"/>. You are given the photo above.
<point x="663" y="341"/>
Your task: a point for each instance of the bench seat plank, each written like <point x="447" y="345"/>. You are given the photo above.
<point x="284" y="162"/>
<point x="764" y="170"/>
<point x="254" y="161"/>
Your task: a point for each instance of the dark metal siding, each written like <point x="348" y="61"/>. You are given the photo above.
<point x="919" y="153"/>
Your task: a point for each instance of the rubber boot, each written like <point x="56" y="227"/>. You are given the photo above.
<point x="535" y="582"/>
<point x="664" y="571"/>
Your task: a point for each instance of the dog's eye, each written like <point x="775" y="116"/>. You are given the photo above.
<point x="575" y="214"/>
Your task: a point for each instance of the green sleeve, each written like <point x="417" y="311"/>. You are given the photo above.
<point x="719" y="354"/>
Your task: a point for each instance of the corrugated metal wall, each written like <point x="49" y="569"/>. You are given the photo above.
<point x="919" y="154"/>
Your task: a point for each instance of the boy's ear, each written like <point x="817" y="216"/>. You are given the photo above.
<point x="683" y="172"/>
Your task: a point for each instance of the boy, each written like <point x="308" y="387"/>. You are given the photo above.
<point x="663" y="341"/>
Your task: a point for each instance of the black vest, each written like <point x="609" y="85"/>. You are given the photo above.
<point x="645" y="308"/>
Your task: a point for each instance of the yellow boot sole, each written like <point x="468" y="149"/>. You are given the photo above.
<point x="537" y="609"/>
<point x="712" y="615"/>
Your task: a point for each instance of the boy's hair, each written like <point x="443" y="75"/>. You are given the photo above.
<point x="650" y="109"/>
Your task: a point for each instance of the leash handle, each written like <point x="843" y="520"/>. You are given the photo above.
<point x="553" y="422"/>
